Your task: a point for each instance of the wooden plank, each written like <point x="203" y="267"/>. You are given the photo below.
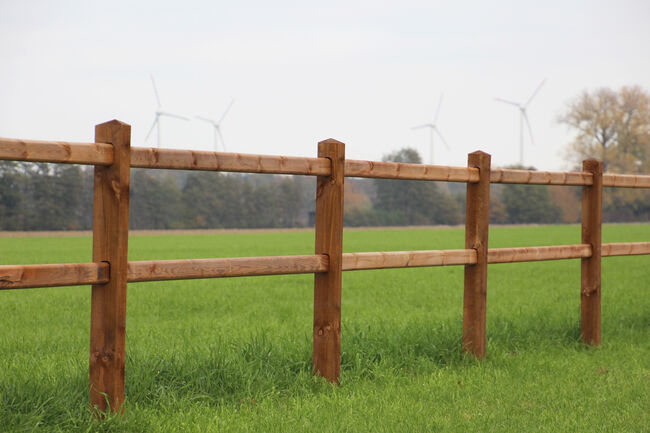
<point x="52" y="275"/>
<point x="56" y="151"/>
<point x="502" y="175"/>
<point x="160" y="270"/>
<point x="407" y="259"/>
<point x="592" y="219"/>
<point x="625" y="249"/>
<point x="229" y="162"/>
<point x="327" y="285"/>
<point x="110" y="239"/>
<point x="532" y="254"/>
<point x="400" y="170"/>
<point x="626" y="180"/>
<point x="477" y="220"/>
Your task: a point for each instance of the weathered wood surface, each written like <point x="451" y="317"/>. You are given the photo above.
<point x="110" y="239"/>
<point x="477" y="220"/>
<point x="56" y="151"/>
<point x="12" y="149"/>
<point x="407" y="259"/>
<point x="326" y="355"/>
<point x="532" y="177"/>
<point x="228" y="162"/>
<point x="74" y="274"/>
<point x="52" y="275"/>
<point x="625" y="249"/>
<point x="531" y="254"/>
<point x="400" y="170"/>
<point x="160" y="270"/>
<point x="590" y="267"/>
<point x="626" y="180"/>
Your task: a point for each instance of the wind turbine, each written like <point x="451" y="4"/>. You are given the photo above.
<point x="159" y="114"/>
<point x="433" y="129"/>
<point x="216" y="124"/>
<point x="523" y="117"/>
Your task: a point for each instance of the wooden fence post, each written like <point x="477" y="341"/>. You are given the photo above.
<point x="110" y="239"/>
<point x="592" y="219"/>
<point x="477" y="220"/>
<point x="327" y="285"/>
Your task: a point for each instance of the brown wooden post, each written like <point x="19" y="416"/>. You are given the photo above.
<point x="477" y="220"/>
<point x="327" y="285"/>
<point x="592" y="219"/>
<point x="110" y="238"/>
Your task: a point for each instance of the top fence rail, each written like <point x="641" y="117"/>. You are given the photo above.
<point x="178" y="159"/>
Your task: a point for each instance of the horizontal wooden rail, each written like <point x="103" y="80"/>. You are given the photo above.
<point x="400" y="170"/>
<point x="160" y="270"/>
<point x="531" y="254"/>
<point x="74" y="274"/>
<point x="407" y="259"/>
<point x="179" y="159"/>
<point x="532" y="177"/>
<point x="625" y="249"/>
<point x="56" y="151"/>
<point x="69" y="274"/>
<point x="626" y="180"/>
<point x="232" y="162"/>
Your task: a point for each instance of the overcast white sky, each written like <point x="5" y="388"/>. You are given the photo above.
<point x="361" y="72"/>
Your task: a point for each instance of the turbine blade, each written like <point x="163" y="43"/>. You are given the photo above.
<point x="535" y="93"/>
<point x="441" y="137"/>
<point x="435" y="118"/>
<point x="426" y="125"/>
<point x="151" y="129"/>
<point x="232" y="101"/>
<point x="508" y="102"/>
<point x="530" y="130"/>
<point x="155" y="90"/>
<point x="205" y="119"/>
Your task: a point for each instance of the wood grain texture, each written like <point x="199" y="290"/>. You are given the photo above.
<point x="407" y="259"/>
<point x="532" y="254"/>
<point x="56" y="151"/>
<point x="592" y="220"/>
<point x="110" y="242"/>
<point x="228" y="162"/>
<point x="400" y="170"/>
<point x="625" y="249"/>
<point x="74" y="274"/>
<point x="626" y="180"/>
<point x="52" y="275"/>
<point x="532" y="177"/>
<point x="160" y="270"/>
<point x="477" y="219"/>
<point x="327" y="285"/>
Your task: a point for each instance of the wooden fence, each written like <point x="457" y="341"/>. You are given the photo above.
<point x="110" y="270"/>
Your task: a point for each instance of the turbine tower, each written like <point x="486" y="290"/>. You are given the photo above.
<point x="523" y="117"/>
<point x="216" y="124"/>
<point x="160" y="113"/>
<point x="433" y="129"/>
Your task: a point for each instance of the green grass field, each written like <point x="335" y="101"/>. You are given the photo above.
<point x="235" y="354"/>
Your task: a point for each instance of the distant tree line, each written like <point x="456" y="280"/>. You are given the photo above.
<point x="398" y="202"/>
<point x="609" y="125"/>
<point x="59" y="197"/>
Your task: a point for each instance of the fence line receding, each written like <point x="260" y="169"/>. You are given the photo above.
<point x="110" y="271"/>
